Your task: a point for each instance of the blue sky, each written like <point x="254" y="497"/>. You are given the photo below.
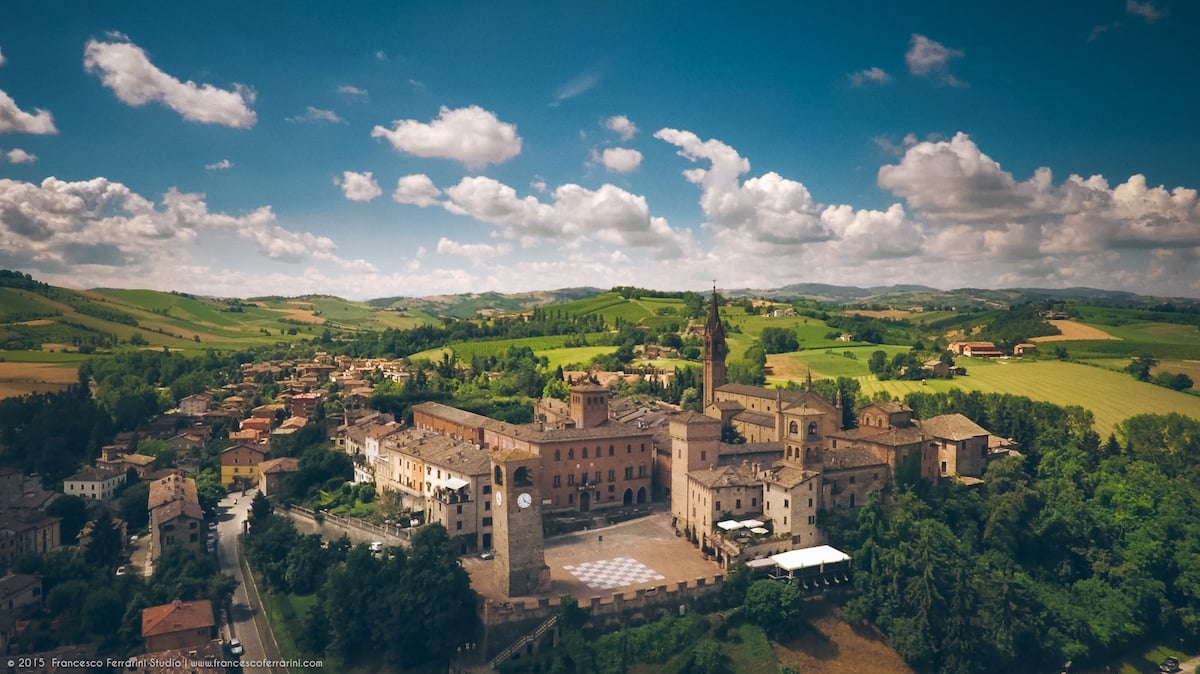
<point x="240" y="149"/>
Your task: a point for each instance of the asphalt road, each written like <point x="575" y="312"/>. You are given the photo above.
<point x="233" y="510"/>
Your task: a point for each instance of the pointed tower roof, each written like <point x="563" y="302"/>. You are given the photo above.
<point x="713" y="326"/>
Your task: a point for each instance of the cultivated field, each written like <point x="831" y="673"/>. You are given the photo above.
<point x="1111" y="396"/>
<point x="17" y="379"/>
<point x="835" y="361"/>
<point x="1073" y="330"/>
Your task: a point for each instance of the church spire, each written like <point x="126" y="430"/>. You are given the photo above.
<point x="808" y="381"/>
<point x="715" y="350"/>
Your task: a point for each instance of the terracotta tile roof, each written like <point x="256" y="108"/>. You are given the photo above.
<point x="756" y="418"/>
<point x="180" y="508"/>
<point x="788" y="475"/>
<point x="725" y="476"/>
<point x="952" y="427"/>
<point x="286" y="464"/>
<point x="851" y="457"/>
<point x="171" y="488"/>
<point x="177" y="617"/>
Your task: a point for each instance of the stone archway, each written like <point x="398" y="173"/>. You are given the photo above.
<point x="627" y="499"/>
<point x="641" y="495"/>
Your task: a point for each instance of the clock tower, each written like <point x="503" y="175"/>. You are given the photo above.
<point x="517" y="524"/>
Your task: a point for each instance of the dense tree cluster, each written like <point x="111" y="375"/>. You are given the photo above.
<point x="405" y="608"/>
<point x="1074" y="551"/>
<point x="397" y="343"/>
<point x="779" y="340"/>
<point x="52" y="433"/>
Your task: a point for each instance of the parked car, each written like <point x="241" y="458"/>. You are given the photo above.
<point x="1169" y="666"/>
<point x="377" y="546"/>
<point x="487" y="554"/>
<point x="235" y="647"/>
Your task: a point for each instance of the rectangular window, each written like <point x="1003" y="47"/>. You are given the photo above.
<point x="851" y="479"/>
<point x="812" y="519"/>
<point x="703" y="455"/>
<point x="458" y="524"/>
<point x="487" y="505"/>
<point x="487" y="488"/>
<point x="738" y="504"/>
<point x="628" y="472"/>
<point x="641" y="471"/>
<point x="612" y="475"/>
<point x="785" y="503"/>
<point x="571" y="480"/>
<point x="487" y="522"/>
<point x="785" y="520"/>
<point x="459" y="510"/>
<point x="754" y="503"/>
<point x="718" y="504"/>
<point x="557" y="480"/>
<point x="809" y="503"/>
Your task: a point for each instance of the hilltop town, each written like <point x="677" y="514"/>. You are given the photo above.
<point x="606" y="496"/>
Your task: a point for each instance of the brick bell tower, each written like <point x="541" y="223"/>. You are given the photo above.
<point x="715" y="350"/>
<point x="517" y="525"/>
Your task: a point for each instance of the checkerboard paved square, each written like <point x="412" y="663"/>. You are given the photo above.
<point x="607" y="574"/>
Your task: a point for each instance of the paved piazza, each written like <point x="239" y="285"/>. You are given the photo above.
<point x="587" y="563"/>
<point x="608" y="574"/>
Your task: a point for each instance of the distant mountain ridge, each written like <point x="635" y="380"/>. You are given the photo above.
<point x="470" y="305"/>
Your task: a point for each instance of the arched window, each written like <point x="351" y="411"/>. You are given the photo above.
<point x="522" y="477"/>
<point x="793" y="428"/>
<point x="499" y="478"/>
<point x="585" y="452"/>
<point x="571" y="453"/>
<point x="558" y="455"/>
<point x="812" y="428"/>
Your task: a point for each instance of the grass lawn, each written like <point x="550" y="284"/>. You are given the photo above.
<point x="749" y="651"/>
<point x="1111" y="396"/>
<point x="286" y="614"/>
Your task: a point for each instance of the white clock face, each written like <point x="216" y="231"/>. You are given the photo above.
<point x="524" y="500"/>
<point x="499" y="499"/>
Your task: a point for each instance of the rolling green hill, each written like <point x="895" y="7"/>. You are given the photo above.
<point x="36" y="317"/>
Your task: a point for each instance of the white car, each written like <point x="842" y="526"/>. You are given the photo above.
<point x="235" y="647"/>
<point x="377" y="546"/>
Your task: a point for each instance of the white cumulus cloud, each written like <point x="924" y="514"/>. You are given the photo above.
<point x="620" y="125"/>
<point x="930" y="58"/>
<point x="219" y="165"/>
<point x="473" y="136"/>
<point x="1146" y="10"/>
<point x="871" y="75"/>
<point x="607" y="215"/>
<point x="126" y="69"/>
<point x="416" y="189"/>
<point x="478" y="253"/>
<point x="19" y="156"/>
<point x="1079" y="230"/>
<point x="2" y="59"/>
<point x="16" y="120"/>
<point x="312" y="114"/>
<point x="619" y="159"/>
<point x="351" y="90"/>
<point x="358" y="186"/>
<point x="59" y="224"/>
